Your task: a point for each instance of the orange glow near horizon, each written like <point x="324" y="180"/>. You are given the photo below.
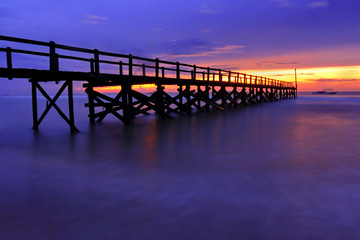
<point x="338" y="78"/>
<point x="344" y="78"/>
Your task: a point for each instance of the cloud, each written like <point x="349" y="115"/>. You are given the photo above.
<point x="206" y="10"/>
<point x="271" y="63"/>
<point x="284" y="3"/>
<point x="292" y="4"/>
<point x="93" y="19"/>
<point x="318" y="4"/>
<point x="194" y="47"/>
<point x="214" y="51"/>
<point x="329" y="80"/>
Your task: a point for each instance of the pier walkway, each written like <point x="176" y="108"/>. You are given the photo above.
<point x="198" y="88"/>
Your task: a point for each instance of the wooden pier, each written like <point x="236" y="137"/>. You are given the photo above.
<point x="198" y="88"/>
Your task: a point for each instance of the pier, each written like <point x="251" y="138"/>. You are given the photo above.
<point x="198" y="88"/>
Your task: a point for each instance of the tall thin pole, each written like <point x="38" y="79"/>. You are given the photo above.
<point x="295" y="83"/>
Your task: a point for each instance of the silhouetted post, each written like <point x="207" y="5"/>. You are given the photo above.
<point x="207" y="96"/>
<point x="160" y="100"/>
<point x="54" y="58"/>
<point x="199" y="93"/>
<point x="121" y="68"/>
<point x="188" y="99"/>
<point x="96" y="61"/>
<point x="156" y="68"/>
<point x="296" y="86"/>
<point x="9" y="62"/>
<point x="143" y="70"/>
<point x="92" y="70"/>
<point x="71" y="106"/>
<point x="130" y="65"/>
<point x="34" y="104"/>
<point x="220" y="76"/>
<point x="181" y="95"/>
<point x="90" y="91"/>
<point x="194" y="74"/>
<point x="177" y="70"/>
<point x="208" y="74"/>
<point x="229" y="80"/>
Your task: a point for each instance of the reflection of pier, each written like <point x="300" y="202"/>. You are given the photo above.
<point x="199" y="88"/>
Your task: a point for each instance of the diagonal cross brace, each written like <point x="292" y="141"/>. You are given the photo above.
<point x="52" y="103"/>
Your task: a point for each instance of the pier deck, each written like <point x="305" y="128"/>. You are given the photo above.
<point x="199" y="88"/>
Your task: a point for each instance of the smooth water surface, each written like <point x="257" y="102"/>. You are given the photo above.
<point x="283" y="170"/>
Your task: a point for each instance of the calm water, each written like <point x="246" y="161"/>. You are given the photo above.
<point x="284" y="170"/>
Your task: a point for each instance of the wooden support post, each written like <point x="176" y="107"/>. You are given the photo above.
<point x="144" y="70"/>
<point x="125" y="89"/>
<point x="54" y="58"/>
<point x="200" y="93"/>
<point x="71" y="106"/>
<point x="188" y="100"/>
<point x="92" y="70"/>
<point x="177" y="70"/>
<point x="120" y="68"/>
<point x="96" y="62"/>
<point x="9" y="62"/>
<point x="223" y="98"/>
<point x="160" y="103"/>
<point x="194" y="73"/>
<point x="130" y="65"/>
<point x="34" y="104"/>
<point x="181" y="95"/>
<point x="156" y="68"/>
<point x="208" y="74"/>
<point x="90" y="92"/>
<point x="207" y="97"/>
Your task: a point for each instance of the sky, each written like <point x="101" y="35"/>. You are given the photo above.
<point x="321" y="38"/>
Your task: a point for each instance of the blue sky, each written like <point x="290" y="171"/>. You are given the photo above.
<point x="242" y="34"/>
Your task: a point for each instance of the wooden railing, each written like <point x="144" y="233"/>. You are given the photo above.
<point x="135" y="66"/>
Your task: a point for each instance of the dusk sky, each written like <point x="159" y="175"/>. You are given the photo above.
<point x="321" y="38"/>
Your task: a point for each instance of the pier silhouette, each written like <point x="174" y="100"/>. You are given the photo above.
<point x="198" y="88"/>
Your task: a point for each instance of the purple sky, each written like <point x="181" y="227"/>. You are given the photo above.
<point x="209" y="32"/>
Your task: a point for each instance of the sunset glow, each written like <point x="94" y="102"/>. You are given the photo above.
<point x="268" y="37"/>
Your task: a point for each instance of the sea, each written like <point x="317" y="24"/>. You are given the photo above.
<point x="282" y="170"/>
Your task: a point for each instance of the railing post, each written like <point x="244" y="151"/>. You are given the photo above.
<point x="237" y="78"/>
<point x="9" y="61"/>
<point x="245" y="80"/>
<point x="157" y="68"/>
<point x="229" y="80"/>
<point x="121" y="68"/>
<point x="143" y="69"/>
<point x="194" y="74"/>
<point x="163" y="72"/>
<point x="54" y="58"/>
<point x="177" y="70"/>
<point x="96" y="61"/>
<point x="130" y="65"/>
<point x="220" y="76"/>
<point x="208" y="74"/>
<point x="92" y="65"/>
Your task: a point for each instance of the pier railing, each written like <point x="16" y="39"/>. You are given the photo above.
<point x="131" y="65"/>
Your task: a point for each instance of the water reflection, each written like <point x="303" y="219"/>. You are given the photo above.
<point x="276" y="171"/>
